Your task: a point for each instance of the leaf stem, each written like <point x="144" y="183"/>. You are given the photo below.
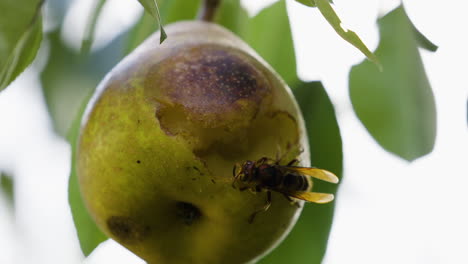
<point x="91" y="26"/>
<point x="208" y="10"/>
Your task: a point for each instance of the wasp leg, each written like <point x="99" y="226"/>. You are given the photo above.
<point x="293" y="162"/>
<point x="263" y="209"/>
<point x="243" y="189"/>
<point x="235" y="175"/>
<point x="234" y="184"/>
<point x="288" y="198"/>
<point x="234" y="169"/>
<point x="261" y="161"/>
<point x="265" y="160"/>
<point x="293" y="202"/>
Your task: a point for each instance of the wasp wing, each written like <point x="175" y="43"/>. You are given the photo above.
<point x="313" y="197"/>
<point x="320" y="174"/>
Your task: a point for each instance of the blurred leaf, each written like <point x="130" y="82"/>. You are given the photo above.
<point x="88" y="233"/>
<point x="143" y="29"/>
<point x="151" y="6"/>
<point x="310" y="2"/>
<point x="171" y="11"/>
<point x="57" y="10"/>
<point x="69" y="77"/>
<point x="307" y="242"/>
<point x="232" y="16"/>
<point x="350" y="36"/>
<point x="177" y="10"/>
<point x="7" y="186"/>
<point x="91" y="26"/>
<point x="397" y="105"/>
<point x="268" y="33"/>
<point x="20" y="37"/>
<point x="68" y="81"/>
<point x="307" y="2"/>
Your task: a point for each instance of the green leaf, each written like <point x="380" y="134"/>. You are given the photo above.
<point x="151" y="6"/>
<point x="20" y="37"/>
<point x="91" y="26"/>
<point x="274" y="43"/>
<point x="171" y="10"/>
<point x="177" y="10"/>
<point x="307" y="242"/>
<point x="143" y="29"/>
<point x="350" y="36"/>
<point x="397" y="105"/>
<point x="307" y="2"/>
<point x="89" y="234"/>
<point x="232" y="16"/>
<point x="68" y="81"/>
<point x="68" y="77"/>
<point x="310" y="3"/>
<point x="423" y="42"/>
<point x="7" y="186"/>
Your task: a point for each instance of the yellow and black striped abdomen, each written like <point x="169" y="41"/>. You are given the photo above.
<point x="293" y="182"/>
<point x="277" y="178"/>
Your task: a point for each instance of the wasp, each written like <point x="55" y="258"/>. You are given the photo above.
<point x="292" y="181"/>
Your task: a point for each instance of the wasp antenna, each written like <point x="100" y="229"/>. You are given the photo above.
<point x="293" y="162"/>
<point x="234" y="170"/>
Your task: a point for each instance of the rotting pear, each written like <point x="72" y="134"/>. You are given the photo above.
<point x="161" y="135"/>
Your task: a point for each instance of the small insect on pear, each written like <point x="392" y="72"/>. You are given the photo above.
<point x="293" y="182"/>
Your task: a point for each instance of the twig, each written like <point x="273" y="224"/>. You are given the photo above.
<point x="208" y="10"/>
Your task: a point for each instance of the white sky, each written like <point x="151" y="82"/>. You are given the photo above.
<point x="388" y="210"/>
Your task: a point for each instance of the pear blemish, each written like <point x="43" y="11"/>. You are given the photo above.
<point x="187" y="212"/>
<point x="126" y="229"/>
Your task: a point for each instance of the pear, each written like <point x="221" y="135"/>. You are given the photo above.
<point x="162" y="134"/>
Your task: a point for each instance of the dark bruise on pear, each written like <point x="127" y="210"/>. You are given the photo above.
<point x="210" y="82"/>
<point x="211" y="88"/>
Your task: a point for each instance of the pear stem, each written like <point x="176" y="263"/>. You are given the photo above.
<point x="208" y="10"/>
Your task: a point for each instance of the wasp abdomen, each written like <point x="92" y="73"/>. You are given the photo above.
<point x="293" y="182"/>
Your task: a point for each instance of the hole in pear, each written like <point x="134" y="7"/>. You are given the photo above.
<point x="188" y="212"/>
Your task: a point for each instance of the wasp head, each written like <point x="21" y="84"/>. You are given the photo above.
<point x="242" y="173"/>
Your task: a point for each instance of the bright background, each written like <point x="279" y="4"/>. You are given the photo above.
<point x="388" y="211"/>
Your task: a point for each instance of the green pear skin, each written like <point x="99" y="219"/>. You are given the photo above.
<point x="161" y="135"/>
